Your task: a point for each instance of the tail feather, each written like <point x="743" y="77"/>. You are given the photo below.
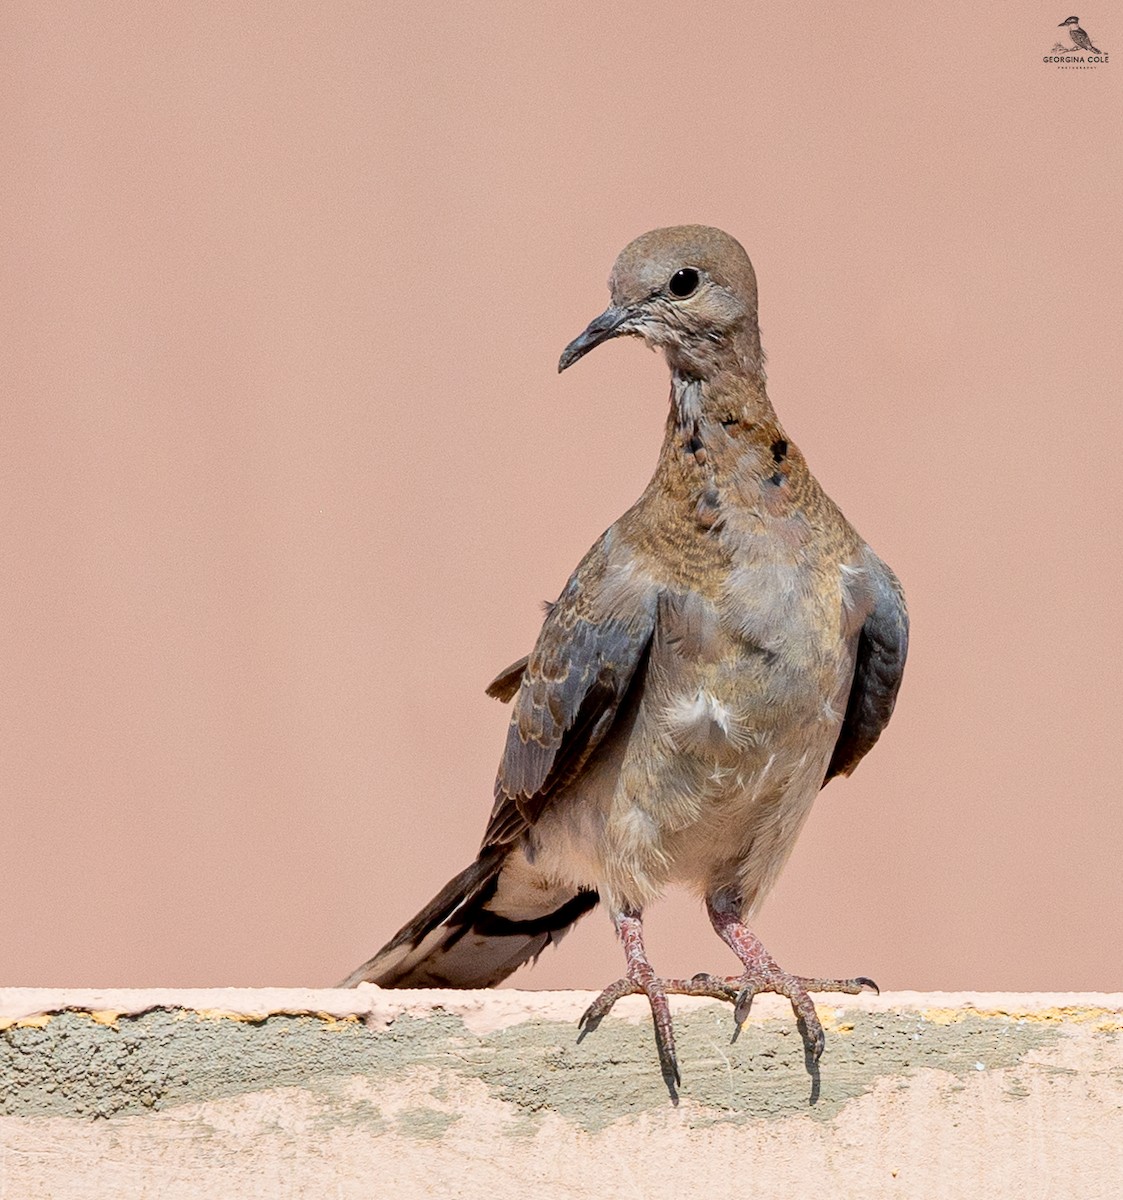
<point x="481" y="927"/>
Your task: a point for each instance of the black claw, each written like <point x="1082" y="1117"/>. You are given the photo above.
<point x="742" y="1006"/>
<point x="813" y="1044"/>
<point x="588" y="1022"/>
<point x="868" y="983"/>
<point x="668" y="1064"/>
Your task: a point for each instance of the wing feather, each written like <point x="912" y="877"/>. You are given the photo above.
<point x="570" y="688"/>
<point x="882" y="648"/>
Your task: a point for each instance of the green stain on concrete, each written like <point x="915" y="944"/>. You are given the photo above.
<point x="614" y="1073"/>
<point x="424" y="1123"/>
<point x="73" y="1066"/>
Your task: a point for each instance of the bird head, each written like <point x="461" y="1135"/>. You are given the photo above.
<point x="1069" y="21"/>
<point x="689" y="291"/>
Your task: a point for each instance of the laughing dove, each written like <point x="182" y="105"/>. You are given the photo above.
<point x="726" y="648"/>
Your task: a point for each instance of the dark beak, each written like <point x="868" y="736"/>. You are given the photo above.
<point x="611" y="323"/>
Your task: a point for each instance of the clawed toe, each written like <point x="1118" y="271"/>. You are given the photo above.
<point x="798" y="991"/>
<point x="600" y="1007"/>
<point x="814" y="1039"/>
<point x="656" y="992"/>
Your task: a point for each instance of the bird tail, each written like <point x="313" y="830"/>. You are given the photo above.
<point x="483" y="924"/>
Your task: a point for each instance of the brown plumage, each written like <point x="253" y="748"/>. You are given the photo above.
<point x="724" y="649"/>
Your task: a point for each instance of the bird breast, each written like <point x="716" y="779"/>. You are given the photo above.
<point x="754" y="677"/>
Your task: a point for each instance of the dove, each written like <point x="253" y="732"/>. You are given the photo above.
<point x="725" y="649"/>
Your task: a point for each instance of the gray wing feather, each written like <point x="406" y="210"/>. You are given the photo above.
<point x="882" y="648"/>
<point x="569" y="691"/>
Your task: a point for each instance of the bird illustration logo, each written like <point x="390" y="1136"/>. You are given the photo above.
<point x="1080" y="40"/>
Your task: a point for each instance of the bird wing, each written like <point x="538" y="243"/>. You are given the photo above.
<point x="505" y="685"/>
<point x="571" y="687"/>
<point x="882" y="648"/>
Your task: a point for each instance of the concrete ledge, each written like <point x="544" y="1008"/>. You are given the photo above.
<point x="277" y="1092"/>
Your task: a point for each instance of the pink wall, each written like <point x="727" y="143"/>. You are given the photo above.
<point x="286" y="466"/>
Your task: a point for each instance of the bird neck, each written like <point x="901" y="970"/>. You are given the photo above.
<point x="723" y="399"/>
<point x="723" y="431"/>
<point x="732" y="352"/>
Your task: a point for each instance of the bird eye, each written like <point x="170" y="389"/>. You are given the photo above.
<point x="683" y="283"/>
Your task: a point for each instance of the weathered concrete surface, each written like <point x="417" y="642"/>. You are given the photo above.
<point x="280" y="1093"/>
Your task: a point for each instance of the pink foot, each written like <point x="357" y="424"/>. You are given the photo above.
<point x="763" y="975"/>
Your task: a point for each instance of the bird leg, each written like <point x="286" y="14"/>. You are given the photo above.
<point x="762" y="974"/>
<point x="641" y="977"/>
